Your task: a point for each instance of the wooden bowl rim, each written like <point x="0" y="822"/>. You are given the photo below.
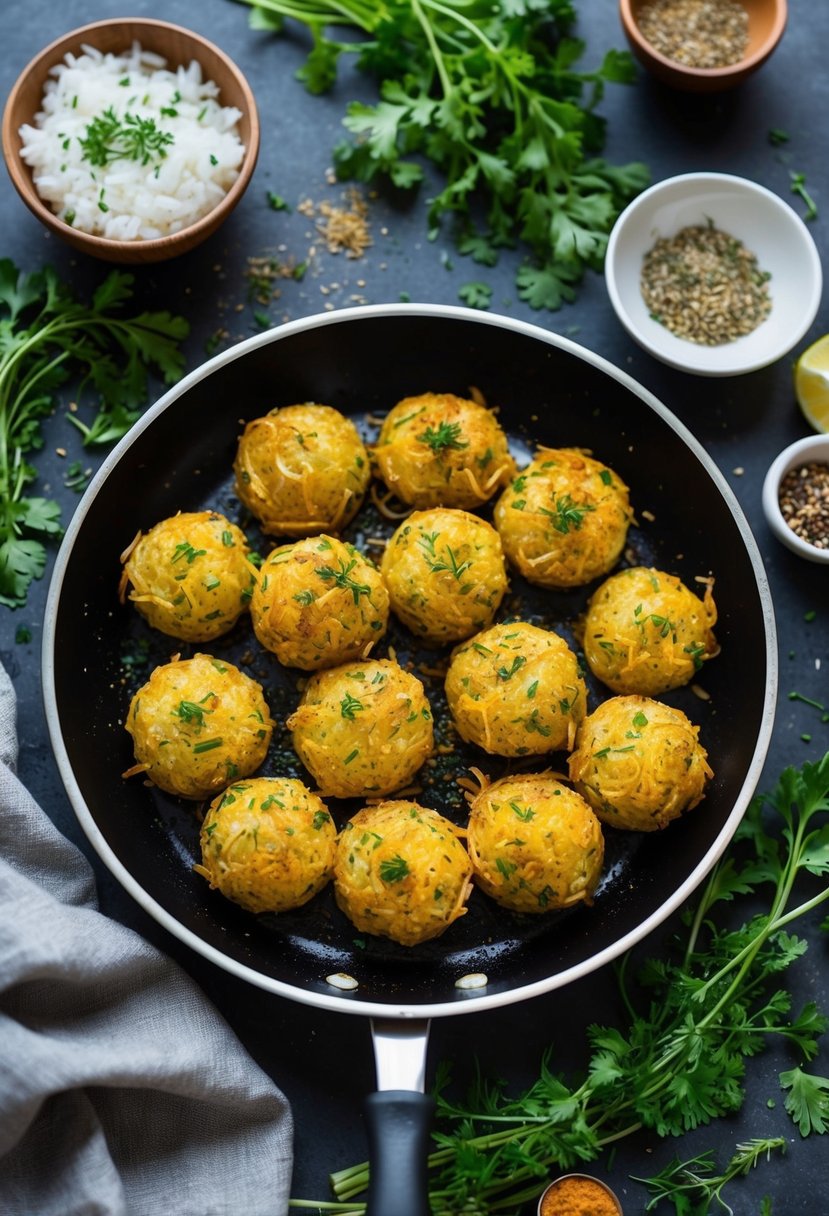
<point x="741" y="68"/>
<point x="105" y="246"/>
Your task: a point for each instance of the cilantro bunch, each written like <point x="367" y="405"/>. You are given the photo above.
<point x="489" y="91"/>
<point x="46" y="337"/>
<point x="694" y="1018"/>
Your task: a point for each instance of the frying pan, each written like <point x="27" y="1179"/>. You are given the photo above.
<point x="96" y="652"/>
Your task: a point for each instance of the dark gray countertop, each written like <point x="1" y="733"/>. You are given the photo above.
<point x="323" y="1060"/>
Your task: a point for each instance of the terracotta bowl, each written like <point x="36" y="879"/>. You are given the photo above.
<point x="766" y="23"/>
<point x="178" y="46"/>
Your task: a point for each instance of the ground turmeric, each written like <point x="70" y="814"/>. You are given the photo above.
<point x="578" y="1195"/>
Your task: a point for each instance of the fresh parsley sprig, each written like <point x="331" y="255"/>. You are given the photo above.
<point x="489" y="92"/>
<point x="46" y="336"/>
<point x="108" y="138"/>
<point x="712" y="1003"/>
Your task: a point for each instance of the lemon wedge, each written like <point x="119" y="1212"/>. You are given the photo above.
<point x="811" y="383"/>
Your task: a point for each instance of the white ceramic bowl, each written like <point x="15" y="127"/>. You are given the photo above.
<point x="804" y="451"/>
<point x="766" y="225"/>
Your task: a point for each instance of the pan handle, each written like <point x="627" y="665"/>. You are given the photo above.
<point x="399" y="1117"/>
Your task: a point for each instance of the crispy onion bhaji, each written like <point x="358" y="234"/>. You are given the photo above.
<point x="401" y="872"/>
<point x="318" y="603"/>
<point x="302" y="469"/>
<point x="198" y="724"/>
<point x="564" y="519"/>
<point x="439" y="450"/>
<point x="445" y="574"/>
<point x="639" y="763"/>
<point x="536" y="845"/>
<point x="515" y="690"/>
<point x="645" y="632"/>
<point x="267" y="844"/>
<point x="362" y="729"/>
<point x="189" y="576"/>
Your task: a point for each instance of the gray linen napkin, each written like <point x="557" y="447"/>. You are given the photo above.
<point x="122" y="1090"/>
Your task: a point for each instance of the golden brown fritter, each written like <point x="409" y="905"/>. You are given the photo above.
<point x="439" y="450"/>
<point x="401" y="872"/>
<point x="318" y="603"/>
<point x="645" y="632"/>
<point x="267" y="844"/>
<point x="564" y="519"/>
<point x="189" y="576"/>
<point x="445" y="574"/>
<point x="198" y="724"/>
<point x="515" y="690"/>
<point x="639" y="763"/>
<point x="362" y="729"/>
<point x="302" y="469"/>
<point x="536" y="845"/>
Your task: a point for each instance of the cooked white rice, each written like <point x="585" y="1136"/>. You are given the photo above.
<point x="126" y="200"/>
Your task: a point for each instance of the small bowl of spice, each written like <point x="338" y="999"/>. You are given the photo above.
<point x="578" y="1195"/>
<point x="713" y="274"/>
<point x="703" y="46"/>
<point x="131" y="139"/>
<point x="796" y="498"/>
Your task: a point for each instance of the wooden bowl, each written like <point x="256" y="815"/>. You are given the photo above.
<point x="178" y="46"/>
<point x="766" y="23"/>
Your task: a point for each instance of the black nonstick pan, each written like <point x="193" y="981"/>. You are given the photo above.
<point x="97" y="652"/>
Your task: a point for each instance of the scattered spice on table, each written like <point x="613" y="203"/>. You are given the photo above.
<point x="698" y="33"/>
<point x="345" y="228"/>
<point x="577" y="1195"/>
<point x="704" y="285"/>
<point x="804" y="502"/>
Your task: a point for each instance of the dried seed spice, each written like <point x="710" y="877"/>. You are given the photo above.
<point x="804" y="502"/>
<point x="697" y="33"/>
<point x="705" y="286"/>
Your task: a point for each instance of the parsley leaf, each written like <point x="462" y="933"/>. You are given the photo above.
<point x="807" y="1100"/>
<point x="492" y="96"/>
<point x="46" y="336"/>
<point x="694" y="1017"/>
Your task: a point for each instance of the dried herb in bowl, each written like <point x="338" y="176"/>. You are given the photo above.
<point x="698" y="33"/>
<point x="704" y="285"/>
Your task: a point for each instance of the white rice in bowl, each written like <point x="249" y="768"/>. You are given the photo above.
<point x="193" y="161"/>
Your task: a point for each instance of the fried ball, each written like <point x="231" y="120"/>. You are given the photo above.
<point x="267" y="844"/>
<point x="302" y="469"/>
<point x="362" y="729"/>
<point x="445" y="574"/>
<point x="401" y="871"/>
<point x="198" y="724"/>
<point x="439" y="450"/>
<point x="639" y="763"/>
<point x="564" y="520"/>
<point x="190" y="575"/>
<point x="515" y="690"/>
<point x="318" y="602"/>
<point x="645" y="632"/>
<point x="535" y="844"/>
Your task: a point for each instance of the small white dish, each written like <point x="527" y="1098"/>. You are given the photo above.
<point x="814" y="448"/>
<point x="764" y="223"/>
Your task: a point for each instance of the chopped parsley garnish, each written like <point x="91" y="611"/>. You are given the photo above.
<point x="350" y="706"/>
<point x="108" y="138"/>
<point x="444" y="436"/>
<point x="506" y="673"/>
<point x="568" y="515"/>
<point x="342" y="578"/>
<point x="185" y="550"/>
<point x="394" y="869"/>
